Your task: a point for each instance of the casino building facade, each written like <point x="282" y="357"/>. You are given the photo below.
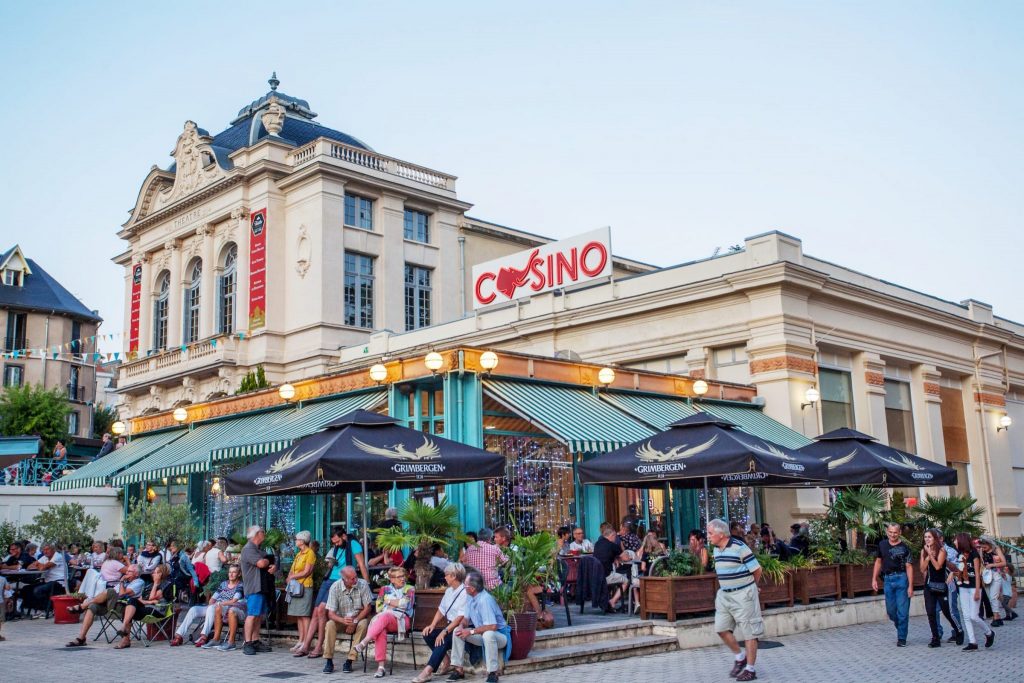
<point x="282" y="244"/>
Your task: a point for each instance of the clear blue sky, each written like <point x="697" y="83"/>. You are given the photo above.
<point x="888" y="136"/>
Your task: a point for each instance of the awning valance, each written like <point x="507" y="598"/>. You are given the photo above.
<point x="99" y="472"/>
<point x="574" y="416"/>
<point x="283" y="432"/>
<point x="16" y="448"/>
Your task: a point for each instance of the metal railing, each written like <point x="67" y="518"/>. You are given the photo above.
<point x="39" y="471"/>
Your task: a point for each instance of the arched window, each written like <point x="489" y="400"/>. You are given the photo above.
<point x="191" y="327"/>
<point x="163" y="288"/>
<point x="226" y="291"/>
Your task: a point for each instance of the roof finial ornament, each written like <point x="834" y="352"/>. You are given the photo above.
<point x="273" y="81"/>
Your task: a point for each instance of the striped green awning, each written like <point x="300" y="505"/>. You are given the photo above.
<point x="296" y="424"/>
<point x="574" y="416"/>
<point x="191" y="453"/>
<point x="661" y="411"/>
<point x="99" y="472"/>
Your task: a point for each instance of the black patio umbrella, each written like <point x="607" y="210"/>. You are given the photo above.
<point x="855" y="459"/>
<point x="702" y="451"/>
<point x="363" y="451"/>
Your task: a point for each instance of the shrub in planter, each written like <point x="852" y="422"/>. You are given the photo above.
<point x="530" y="562"/>
<point x="677" y="588"/>
<point x="776" y="585"/>
<point x="856" y="571"/>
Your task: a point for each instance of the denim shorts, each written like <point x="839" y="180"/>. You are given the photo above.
<point x="254" y="605"/>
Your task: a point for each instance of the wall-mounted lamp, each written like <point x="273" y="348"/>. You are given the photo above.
<point x="150" y="494"/>
<point x="1004" y="423"/>
<point x="286" y="392"/>
<point x="433" y="361"/>
<point x="215" y="486"/>
<point x="117" y="429"/>
<point x="812" y="396"/>
<point x="605" y="376"/>
<point x="180" y="415"/>
<point x="378" y="373"/>
<point x="488" y="361"/>
<point x="700" y="387"/>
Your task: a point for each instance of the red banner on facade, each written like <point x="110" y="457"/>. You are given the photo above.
<point x="258" y="269"/>
<point x="133" y="324"/>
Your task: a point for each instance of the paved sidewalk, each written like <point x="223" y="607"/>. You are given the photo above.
<point x="35" y="650"/>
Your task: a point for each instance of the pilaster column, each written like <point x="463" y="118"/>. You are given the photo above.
<point x="175" y="299"/>
<point x="868" y="381"/>
<point x="208" y="289"/>
<point x="992" y="472"/>
<point x="697" y="362"/>
<point x="926" y="403"/>
<point x="238" y="232"/>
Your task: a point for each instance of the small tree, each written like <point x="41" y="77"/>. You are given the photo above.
<point x="950" y="515"/>
<point x="9" y="533"/>
<point x="160" y="522"/>
<point x="427" y="525"/>
<point x="103" y="417"/>
<point x="32" y="410"/>
<point x="63" y="524"/>
<point x="858" y="510"/>
<point x="253" y="381"/>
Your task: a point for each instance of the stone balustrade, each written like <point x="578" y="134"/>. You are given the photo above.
<point x="357" y="156"/>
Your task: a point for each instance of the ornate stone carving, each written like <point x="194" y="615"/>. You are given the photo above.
<point x="170" y="245"/>
<point x="204" y="230"/>
<point x="273" y="118"/>
<point x="195" y="165"/>
<point x="304" y="249"/>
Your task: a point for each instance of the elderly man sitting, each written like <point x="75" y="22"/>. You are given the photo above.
<point x="483" y="625"/>
<point x="131" y="586"/>
<point x="349" y="604"/>
<point x="55" y="576"/>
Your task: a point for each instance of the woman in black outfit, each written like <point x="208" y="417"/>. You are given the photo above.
<point x="936" y="590"/>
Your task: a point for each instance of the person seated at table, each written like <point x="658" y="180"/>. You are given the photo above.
<point x="774" y="546"/>
<point x="394" y="615"/>
<point x="199" y="553"/>
<point x="148" y="560"/>
<point x="131" y="586"/>
<point x="737" y="531"/>
<point x="650" y="549"/>
<point x="55" y="574"/>
<point x="753" y="537"/>
<point x="608" y="552"/>
<point x="385" y="558"/>
<point x="17" y="557"/>
<point x="32" y="550"/>
<point x="563" y="537"/>
<point x="216" y="557"/>
<point x="150" y="603"/>
<point x="483" y="625"/>
<point x="349" y="605"/>
<point x="181" y="571"/>
<point x="484" y="557"/>
<point x="229" y="591"/>
<point x="131" y="553"/>
<point x="699" y="549"/>
<point x="439" y="558"/>
<point x="97" y="555"/>
<point x="449" y="615"/>
<point x="628" y="539"/>
<point x="580" y="543"/>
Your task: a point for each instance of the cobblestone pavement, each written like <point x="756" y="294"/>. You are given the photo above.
<point x="34" y="651"/>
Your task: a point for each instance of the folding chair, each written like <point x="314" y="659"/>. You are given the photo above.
<point x="108" y="629"/>
<point x="160" y="624"/>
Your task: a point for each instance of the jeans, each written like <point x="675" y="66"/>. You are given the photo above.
<point x="954" y="608"/>
<point x="438" y="652"/>
<point x="897" y="603"/>
<point x="969" y="607"/>
<point x="494" y="643"/>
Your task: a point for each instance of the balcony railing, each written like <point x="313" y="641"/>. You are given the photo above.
<point x="15" y="344"/>
<point x="357" y="156"/>
<point x="39" y="471"/>
<point x="204" y="354"/>
<point x="76" y="392"/>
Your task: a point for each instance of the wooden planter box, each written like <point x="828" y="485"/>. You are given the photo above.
<point x="772" y="593"/>
<point x="817" y="582"/>
<point x="856" y="578"/>
<point x="427" y="602"/>
<point x="674" y="595"/>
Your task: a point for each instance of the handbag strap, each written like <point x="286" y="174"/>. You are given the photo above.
<point x="461" y="588"/>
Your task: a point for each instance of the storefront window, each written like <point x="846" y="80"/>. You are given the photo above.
<point x="899" y="419"/>
<point x="733" y="504"/>
<point x="836" y="399"/>
<point x="536" y="493"/>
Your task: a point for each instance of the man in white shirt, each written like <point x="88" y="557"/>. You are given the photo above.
<point x="130" y="586"/>
<point x="54" y="579"/>
<point x="580" y="544"/>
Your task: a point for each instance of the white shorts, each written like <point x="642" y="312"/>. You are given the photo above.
<point x="739" y="612"/>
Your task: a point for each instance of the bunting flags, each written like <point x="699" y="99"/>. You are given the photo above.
<point x="79" y="349"/>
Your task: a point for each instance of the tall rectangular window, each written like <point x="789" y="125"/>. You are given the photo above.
<point x="836" y="399"/>
<point x="417" y="297"/>
<point x="74" y="386"/>
<point x="899" y="417"/>
<point x="358" y="211"/>
<point x="358" y="290"/>
<point x="73" y="423"/>
<point x="417" y="226"/>
<point x="14" y="375"/>
<point x="17" y="323"/>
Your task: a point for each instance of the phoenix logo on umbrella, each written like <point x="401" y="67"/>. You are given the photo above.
<point x="769" y="449"/>
<point x="903" y="461"/>
<point x="427" y="451"/>
<point x="839" y="462"/>
<point x="288" y="459"/>
<point x="649" y="454"/>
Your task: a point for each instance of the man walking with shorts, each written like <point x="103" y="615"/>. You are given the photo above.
<point x="252" y="561"/>
<point x="737" y="605"/>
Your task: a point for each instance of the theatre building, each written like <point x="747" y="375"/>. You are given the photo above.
<point x="283" y="244"/>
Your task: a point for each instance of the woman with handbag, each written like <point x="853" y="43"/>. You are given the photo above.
<point x="936" y="590"/>
<point x="299" y="585"/>
<point x="438" y="634"/>
<point x="969" y="589"/>
<point x="993" y="561"/>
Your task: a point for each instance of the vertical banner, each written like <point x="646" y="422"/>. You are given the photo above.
<point x="258" y="269"/>
<point x="133" y="324"/>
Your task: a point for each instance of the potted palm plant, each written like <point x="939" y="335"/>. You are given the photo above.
<point x="857" y="511"/>
<point x="530" y="563"/>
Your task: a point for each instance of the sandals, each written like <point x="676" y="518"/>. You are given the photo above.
<point x="381" y="673"/>
<point x="125" y="643"/>
<point x="315" y="654"/>
<point x="300" y="653"/>
<point x="76" y="609"/>
<point x="77" y="642"/>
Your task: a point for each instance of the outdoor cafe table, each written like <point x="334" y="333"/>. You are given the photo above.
<point x="20" y="577"/>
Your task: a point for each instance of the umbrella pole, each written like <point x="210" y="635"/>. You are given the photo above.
<point x="707" y="503"/>
<point x="366" y="545"/>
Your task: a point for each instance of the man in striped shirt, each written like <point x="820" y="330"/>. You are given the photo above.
<point x="737" y="605"/>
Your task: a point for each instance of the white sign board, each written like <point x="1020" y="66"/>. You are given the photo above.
<point x="571" y="261"/>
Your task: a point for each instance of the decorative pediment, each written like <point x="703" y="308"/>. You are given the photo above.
<point x="195" y="165"/>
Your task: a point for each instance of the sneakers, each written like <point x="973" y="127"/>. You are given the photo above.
<point x="228" y="646"/>
<point x="492" y="677"/>
<point x="456" y="675"/>
<point x="737" y="668"/>
<point x="970" y="646"/>
<point x="990" y="638"/>
<point x="935" y="643"/>
<point x="746" y="675"/>
<point x="959" y="637"/>
<point x="261" y="646"/>
<point x="901" y="643"/>
<point x="346" y="668"/>
<point x="248" y="649"/>
<point x="996" y="623"/>
<point x="328" y="666"/>
<point x="210" y="644"/>
<point x="952" y="638"/>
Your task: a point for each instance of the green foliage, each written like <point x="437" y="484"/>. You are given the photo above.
<point x="855" y="556"/>
<point x="63" y="524"/>
<point x="858" y="510"/>
<point x="950" y="515"/>
<point x="798" y="562"/>
<point x="273" y="541"/>
<point x="160" y="522"/>
<point x="9" y="533"/>
<point x="772" y="567"/>
<point x="103" y="417"/>
<point x="530" y="562"/>
<point x="678" y="563"/>
<point x="427" y="525"/>
<point x="824" y="542"/>
<point x="897" y="509"/>
<point x="254" y="380"/>
<point x="31" y="410"/>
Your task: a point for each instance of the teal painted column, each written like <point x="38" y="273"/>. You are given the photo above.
<point x="593" y="511"/>
<point x="398" y="408"/>
<point x="463" y="409"/>
<point x="687" y="513"/>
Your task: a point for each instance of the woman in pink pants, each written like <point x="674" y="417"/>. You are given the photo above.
<point x="394" y="615"/>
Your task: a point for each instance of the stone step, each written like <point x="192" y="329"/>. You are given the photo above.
<point x="598" y="651"/>
<point x="578" y="635"/>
